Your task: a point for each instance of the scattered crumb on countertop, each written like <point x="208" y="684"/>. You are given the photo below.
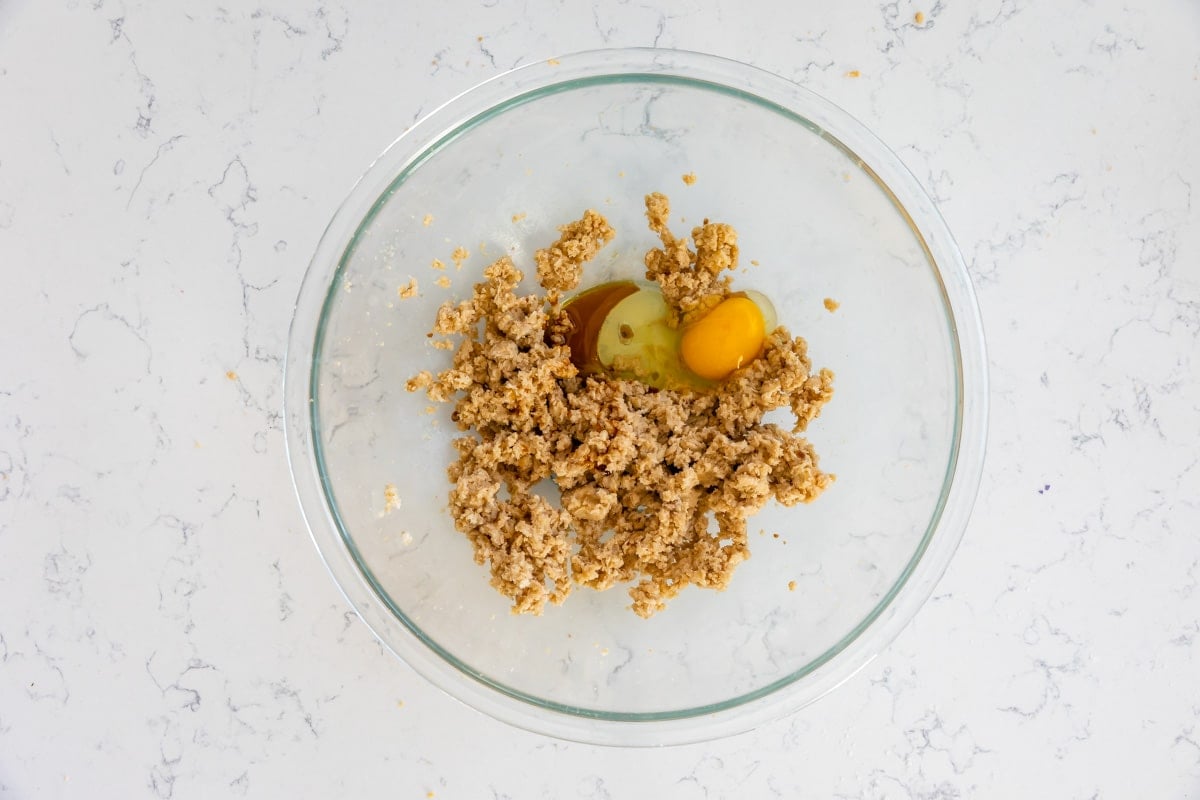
<point x="554" y="62"/>
<point x="428" y="220"/>
<point x="443" y="282"/>
<point x="406" y="538"/>
<point x="791" y="586"/>
<point x="919" y="17"/>
<point x="755" y="263"/>
<point x="831" y="305"/>
<point x="689" y="178"/>
<point x="231" y="375"/>
<point x="853" y="74"/>
<point x="518" y="217"/>
<point x="438" y="264"/>
<point x="460" y="255"/>
<point x="405" y="292"/>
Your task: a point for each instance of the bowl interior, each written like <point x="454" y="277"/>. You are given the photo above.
<point x="812" y="223"/>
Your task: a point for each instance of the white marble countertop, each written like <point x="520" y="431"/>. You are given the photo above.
<point x="167" y="629"/>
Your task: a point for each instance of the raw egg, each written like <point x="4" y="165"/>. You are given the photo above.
<point x="729" y="335"/>
<point x="622" y="329"/>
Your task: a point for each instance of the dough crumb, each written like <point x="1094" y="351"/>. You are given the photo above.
<point x="443" y="282"/>
<point x="459" y="255"/>
<point x="391" y="498"/>
<point x="791" y="586"/>
<point x="853" y="74"/>
<point x="421" y="380"/>
<point x="438" y="264"/>
<point x="641" y="473"/>
<point x="691" y="281"/>
<point x="231" y="376"/>
<point x="406" y="538"/>
<point x="518" y="217"/>
<point x="560" y="265"/>
<point x="831" y="305"/>
<point x="554" y="62"/>
<point x="428" y="220"/>
<point x="919" y="18"/>
<point x="409" y="291"/>
<point x="689" y="178"/>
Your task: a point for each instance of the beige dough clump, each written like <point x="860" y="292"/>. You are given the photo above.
<point x="560" y="265"/>
<point x="655" y="486"/>
<point x="691" y="281"/>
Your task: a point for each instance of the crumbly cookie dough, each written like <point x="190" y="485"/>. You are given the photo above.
<point x="560" y="266"/>
<point x="642" y="474"/>
<point x="691" y="281"/>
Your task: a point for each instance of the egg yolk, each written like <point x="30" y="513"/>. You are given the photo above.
<point x="723" y="339"/>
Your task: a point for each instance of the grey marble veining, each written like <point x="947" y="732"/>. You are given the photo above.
<point x="166" y="628"/>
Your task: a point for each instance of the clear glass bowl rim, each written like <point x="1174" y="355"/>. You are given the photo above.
<point x="737" y="714"/>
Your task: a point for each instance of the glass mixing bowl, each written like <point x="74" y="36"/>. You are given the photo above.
<point x="825" y="210"/>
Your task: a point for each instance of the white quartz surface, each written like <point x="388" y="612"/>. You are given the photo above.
<point x="166" y="627"/>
